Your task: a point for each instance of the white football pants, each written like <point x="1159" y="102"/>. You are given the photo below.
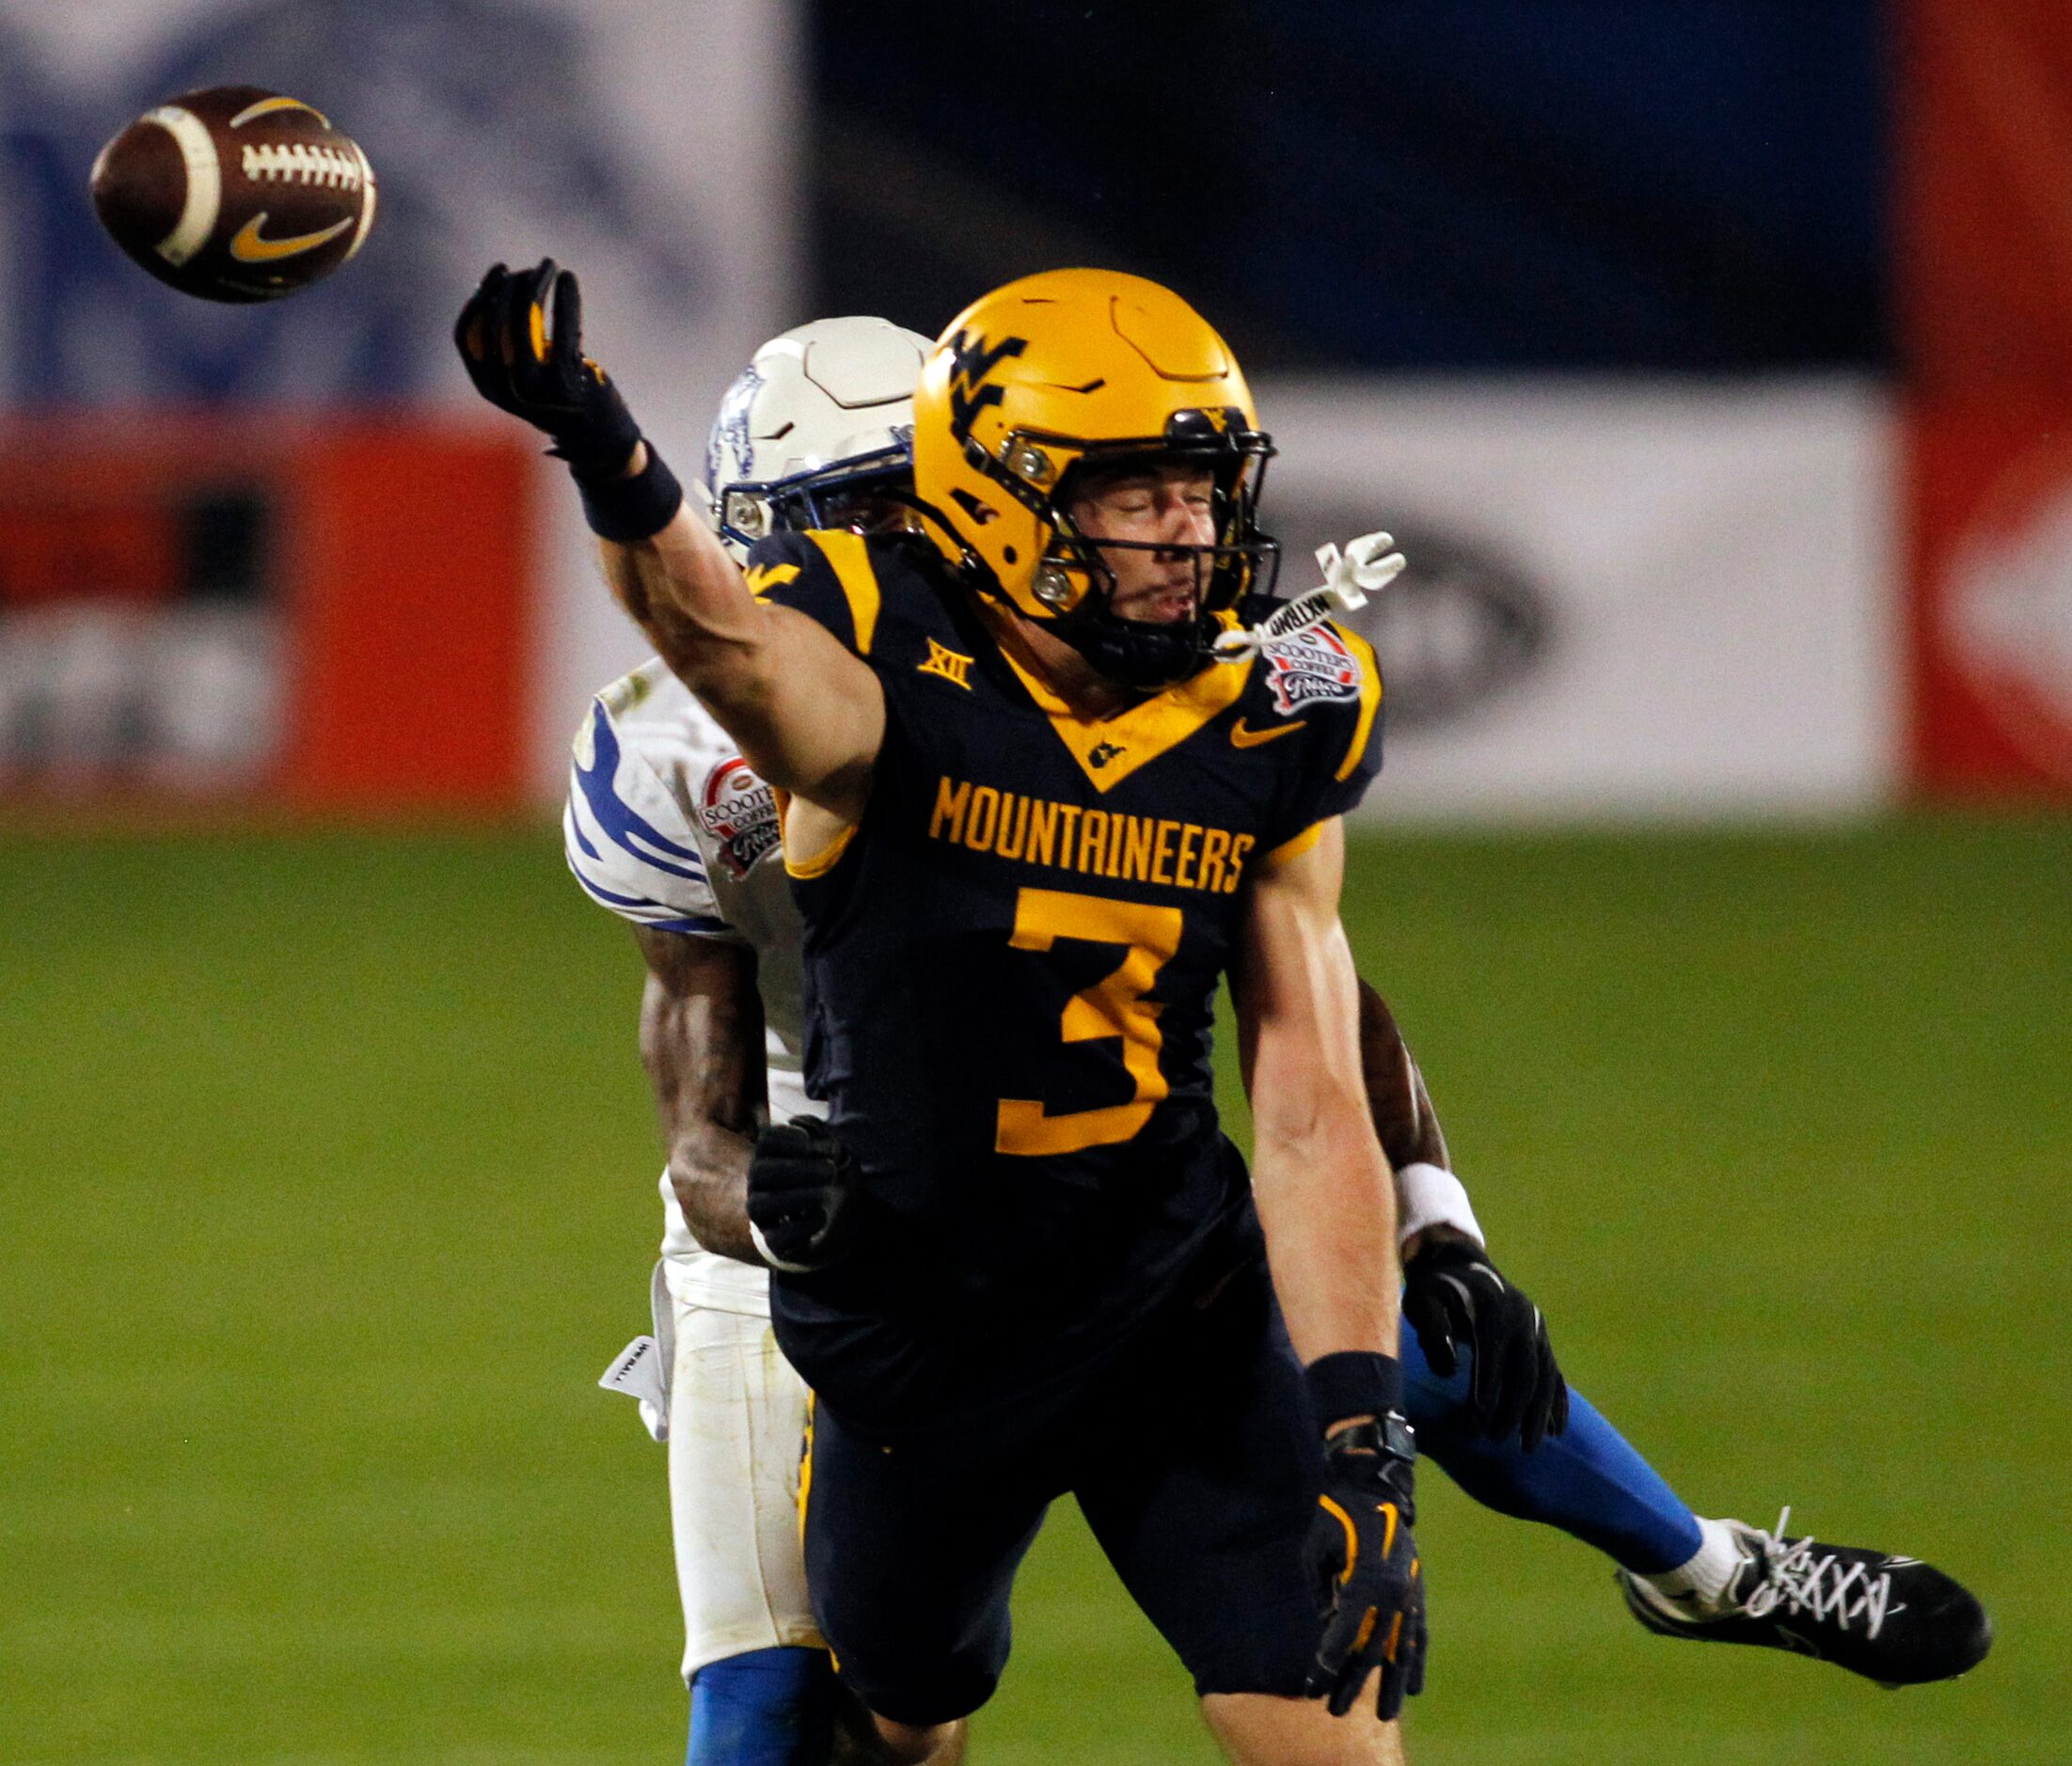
<point x="736" y="1418"/>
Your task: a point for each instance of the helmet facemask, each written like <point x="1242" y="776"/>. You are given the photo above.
<point x="843" y="493"/>
<point x="1076" y="579"/>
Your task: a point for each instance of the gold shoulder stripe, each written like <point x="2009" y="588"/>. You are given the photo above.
<point x="851" y="559"/>
<point x="1370" y="698"/>
<point x="814" y="863"/>
<point x="805" y="1468"/>
<point x="1293" y="848"/>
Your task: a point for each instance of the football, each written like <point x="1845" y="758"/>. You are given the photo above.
<point x="235" y="194"/>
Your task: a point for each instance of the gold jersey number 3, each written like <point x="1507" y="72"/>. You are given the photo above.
<point x="1113" y="1007"/>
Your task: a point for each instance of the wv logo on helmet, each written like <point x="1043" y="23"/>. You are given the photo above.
<point x="972" y="363"/>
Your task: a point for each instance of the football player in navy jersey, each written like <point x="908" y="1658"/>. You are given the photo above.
<point x="1026" y="1246"/>
<point x="1025" y="863"/>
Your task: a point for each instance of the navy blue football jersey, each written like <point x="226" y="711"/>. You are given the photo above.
<point x="1012" y="964"/>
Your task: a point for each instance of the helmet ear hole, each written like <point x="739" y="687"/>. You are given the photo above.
<point x="979" y="512"/>
<point x="1008" y="553"/>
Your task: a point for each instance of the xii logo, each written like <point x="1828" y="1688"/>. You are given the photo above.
<point x="953" y="666"/>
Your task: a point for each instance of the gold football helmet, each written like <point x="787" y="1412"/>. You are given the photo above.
<point x="1059" y="372"/>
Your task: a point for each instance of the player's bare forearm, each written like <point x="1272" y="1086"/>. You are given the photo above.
<point x="1330" y="1218"/>
<point x="1321" y="1181"/>
<point x="689" y="595"/>
<point x="1404" y="1120"/>
<point x="809" y="717"/>
<point x="702" y="1042"/>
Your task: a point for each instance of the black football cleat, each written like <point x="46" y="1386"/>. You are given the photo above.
<point x="1895" y="1620"/>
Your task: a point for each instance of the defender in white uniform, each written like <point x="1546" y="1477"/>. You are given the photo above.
<point x="668" y="827"/>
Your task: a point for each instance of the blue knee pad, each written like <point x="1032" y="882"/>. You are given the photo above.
<point x="1586" y="1481"/>
<point x="767" y="1707"/>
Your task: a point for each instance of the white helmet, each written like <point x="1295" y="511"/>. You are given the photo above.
<point x="825" y="409"/>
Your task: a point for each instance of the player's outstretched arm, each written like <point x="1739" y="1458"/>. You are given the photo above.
<point x="809" y="717"/>
<point x="1454" y="1296"/>
<point x="702" y="1042"/>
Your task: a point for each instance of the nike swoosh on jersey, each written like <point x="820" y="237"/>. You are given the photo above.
<point x="1242" y="738"/>
<point x="250" y="246"/>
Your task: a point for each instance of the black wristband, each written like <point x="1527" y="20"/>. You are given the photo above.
<point x="1353" y="1382"/>
<point x="632" y="509"/>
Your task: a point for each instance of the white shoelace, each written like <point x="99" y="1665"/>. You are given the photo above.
<point x="1348" y="578"/>
<point x="1818" y="1583"/>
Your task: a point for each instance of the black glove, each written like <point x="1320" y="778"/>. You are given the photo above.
<point x="1368" y="1582"/>
<point x="803" y="1199"/>
<point x="536" y="369"/>
<point x="1453" y="1294"/>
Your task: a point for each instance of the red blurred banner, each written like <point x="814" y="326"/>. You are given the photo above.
<point x="1985" y="291"/>
<point x="257" y="609"/>
<point x="1984" y="121"/>
<point x="1991" y="619"/>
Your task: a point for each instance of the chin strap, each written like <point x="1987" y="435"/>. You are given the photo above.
<point x="1348" y="578"/>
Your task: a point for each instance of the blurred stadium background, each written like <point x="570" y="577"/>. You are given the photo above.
<point x="1712" y="363"/>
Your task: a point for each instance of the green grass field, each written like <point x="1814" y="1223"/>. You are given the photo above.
<point x="326" y="1188"/>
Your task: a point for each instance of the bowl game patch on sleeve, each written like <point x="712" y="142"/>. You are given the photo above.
<point x="739" y="813"/>
<point x="1311" y="667"/>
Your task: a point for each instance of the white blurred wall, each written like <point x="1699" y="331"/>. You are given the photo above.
<point x="1625" y="600"/>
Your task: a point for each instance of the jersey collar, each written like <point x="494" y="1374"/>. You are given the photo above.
<point x="1109" y="749"/>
